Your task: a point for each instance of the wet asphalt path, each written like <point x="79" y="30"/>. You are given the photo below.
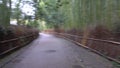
<point x="51" y="52"/>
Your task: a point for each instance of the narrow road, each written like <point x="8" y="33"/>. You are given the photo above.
<point x="51" y="52"/>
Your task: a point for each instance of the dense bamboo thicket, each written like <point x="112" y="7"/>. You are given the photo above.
<point x="95" y="22"/>
<point x="91" y="12"/>
<point x="99" y="17"/>
<point x="92" y="18"/>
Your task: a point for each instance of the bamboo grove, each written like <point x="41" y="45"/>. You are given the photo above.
<point x="72" y="14"/>
<point x="81" y="13"/>
<point x="91" y="12"/>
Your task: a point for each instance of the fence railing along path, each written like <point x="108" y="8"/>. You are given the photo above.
<point x="9" y="45"/>
<point x="106" y="48"/>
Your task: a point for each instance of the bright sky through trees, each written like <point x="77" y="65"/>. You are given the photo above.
<point x="26" y="8"/>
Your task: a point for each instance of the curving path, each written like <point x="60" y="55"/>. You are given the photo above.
<point x="51" y="52"/>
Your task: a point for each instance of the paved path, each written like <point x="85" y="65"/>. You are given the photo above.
<point x="51" y="52"/>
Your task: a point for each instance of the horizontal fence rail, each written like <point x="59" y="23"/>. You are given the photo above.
<point x="106" y="48"/>
<point x="9" y="45"/>
<point x="108" y="41"/>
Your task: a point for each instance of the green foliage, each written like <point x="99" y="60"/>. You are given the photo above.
<point x="48" y="10"/>
<point x="16" y="12"/>
<point x="5" y="12"/>
<point x="34" y="24"/>
<point x="80" y="13"/>
<point x="76" y="14"/>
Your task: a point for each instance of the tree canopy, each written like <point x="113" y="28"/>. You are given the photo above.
<point x="67" y="14"/>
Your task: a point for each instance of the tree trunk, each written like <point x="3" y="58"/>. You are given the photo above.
<point x="5" y="13"/>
